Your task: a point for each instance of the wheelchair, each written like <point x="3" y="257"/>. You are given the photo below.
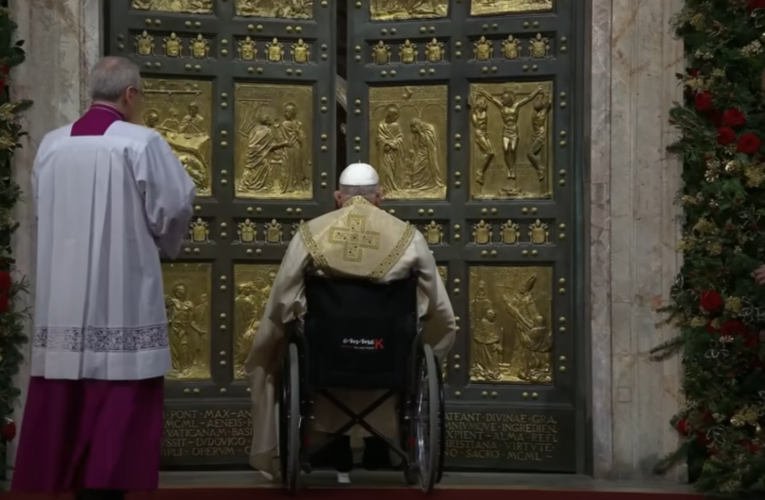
<point x="359" y="335"/>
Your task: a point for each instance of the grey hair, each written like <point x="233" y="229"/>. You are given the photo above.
<point x="365" y="191"/>
<point x="111" y="76"/>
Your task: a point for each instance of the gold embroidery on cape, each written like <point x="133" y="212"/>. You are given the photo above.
<point x="393" y="257"/>
<point x="355" y="240"/>
<point x="313" y="248"/>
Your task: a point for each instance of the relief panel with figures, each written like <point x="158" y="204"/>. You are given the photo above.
<point x="180" y="110"/>
<point x="253" y="284"/>
<point x="274" y="144"/>
<point x="179" y="6"/>
<point x="187" y="301"/>
<point x="510" y="314"/>
<point x="511" y="146"/>
<point x="407" y="127"/>
<point x="281" y="9"/>
<point x="401" y="10"/>
<point x="499" y="7"/>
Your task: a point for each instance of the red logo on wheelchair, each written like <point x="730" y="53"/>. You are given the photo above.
<point x="364" y="344"/>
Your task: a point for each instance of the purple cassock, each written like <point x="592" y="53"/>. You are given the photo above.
<point x="88" y="433"/>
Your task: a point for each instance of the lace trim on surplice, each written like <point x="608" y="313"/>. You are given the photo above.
<point x="101" y="339"/>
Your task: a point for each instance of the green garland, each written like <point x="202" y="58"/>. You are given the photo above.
<point x="12" y="286"/>
<point x="719" y="309"/>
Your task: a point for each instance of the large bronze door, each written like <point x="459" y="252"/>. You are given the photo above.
<point x="244" y="93"/>
<point x="466" y="108"/>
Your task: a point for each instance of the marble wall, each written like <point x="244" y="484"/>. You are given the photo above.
<point x="630" y="185"/>
<point x="633" y="230"/>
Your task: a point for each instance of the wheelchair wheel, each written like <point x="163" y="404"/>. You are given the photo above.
<point x="426" y="425"/>
<point x="441" y="422"/>
<point x="291" y="460"/>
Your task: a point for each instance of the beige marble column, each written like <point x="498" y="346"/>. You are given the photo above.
<point x="633" y="231"/>
<point x="62" y="40"/>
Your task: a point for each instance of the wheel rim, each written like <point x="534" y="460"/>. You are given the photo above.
<point x="422" y="428"/>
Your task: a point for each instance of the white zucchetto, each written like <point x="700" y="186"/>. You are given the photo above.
<point x="359" y="174"/>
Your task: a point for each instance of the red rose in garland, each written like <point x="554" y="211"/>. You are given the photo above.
<point x="9" y="430"/>
<point x="748" y="144"/>
<point x="725" y="136"/>
<point x="3" y="75"/>
<point x="733" y="328"/>
<point x="710" y="300"/>
<point x="682" y="427"/>
<point x="703" y="102"/>
<point x="734" y="117"/>
<point x="5" y="290"/>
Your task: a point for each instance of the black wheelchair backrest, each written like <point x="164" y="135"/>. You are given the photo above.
<point x="360" y="298"/>
<point x="359" y="333"/>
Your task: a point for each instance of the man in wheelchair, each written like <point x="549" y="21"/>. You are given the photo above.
<point x="356" y="241"/>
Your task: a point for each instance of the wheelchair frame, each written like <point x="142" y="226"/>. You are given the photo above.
<point x="421" y="450"/>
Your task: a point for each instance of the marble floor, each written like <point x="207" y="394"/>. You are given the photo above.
<point x="451" y="480"/>
<point x="455" y="480"/>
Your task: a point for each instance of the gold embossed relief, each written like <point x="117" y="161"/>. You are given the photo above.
<point x="497" y="7"/>
<point x="180" y="110"/>
<point x="433" y="233"/>
<point x="253" y="284"/>
<point x="511" y="140"/>
<point x="247" y="49"/>
<point x="408" y="140"/>
<point x="408" y="52"/>
<point x="144" y="44"/>
<point x="172" y="46"/>
<point x="510" y="316"/>
<point x="199" y="231"/>
<point x="179" y="6"/>
<point x="483" y="49"/>
<point x="274" y="144"/>
<point x="281" y="9"/>
<point x="187" y="301"/>
<point x="399" y="10"/>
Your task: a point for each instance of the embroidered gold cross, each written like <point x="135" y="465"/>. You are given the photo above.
<point x="354" y="238"/>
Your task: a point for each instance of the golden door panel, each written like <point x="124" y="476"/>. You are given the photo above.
<point x="181" y="111"/>
<point x="511" y="140"/>
<point x="510" y="316"/>
<point x="199" y="231"/>
<point x="184" y="6"/>
<point x="408" y="127"/>
<point x="187" y="300"/>
<point x="499" y="7"/>
<point x="399" y="10"/>
<point x="253" y="284"/>
<point x="274" y="143"/>
<point x="282" y="9"/>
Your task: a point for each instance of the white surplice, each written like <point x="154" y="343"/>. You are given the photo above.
<point x="400" y="250"/>
<point x="104" y="206"/>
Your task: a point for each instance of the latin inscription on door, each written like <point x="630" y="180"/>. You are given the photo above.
<point x="213" y="433"/>
<point x="520" y="439"/>
<point x="477" y="438"/>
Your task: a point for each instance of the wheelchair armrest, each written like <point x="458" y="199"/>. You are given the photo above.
<point x="295" y="330"/>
